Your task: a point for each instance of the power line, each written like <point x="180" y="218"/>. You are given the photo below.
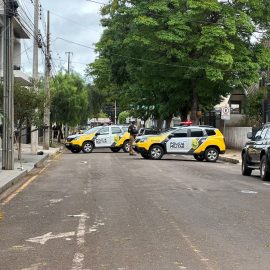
<point x="125" y="56"/>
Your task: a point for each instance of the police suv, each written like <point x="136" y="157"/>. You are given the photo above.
<point x="203" y="142"/>
<point x="113" y="137"/>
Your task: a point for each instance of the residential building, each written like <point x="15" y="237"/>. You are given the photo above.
<point x="20" y="32"/>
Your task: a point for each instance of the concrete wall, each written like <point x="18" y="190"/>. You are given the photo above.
<point x="236" y="137"/>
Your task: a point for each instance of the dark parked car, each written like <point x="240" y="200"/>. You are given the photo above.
<point x="256" y="153"/>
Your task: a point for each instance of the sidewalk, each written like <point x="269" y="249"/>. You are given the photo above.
<point x="28" y="162"/>
<point x="232" y="156"/>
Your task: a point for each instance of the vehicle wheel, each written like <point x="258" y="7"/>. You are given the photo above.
<point x="126" y="146"/>
<point x="199" y="157"/>
<point x="245" y="169"/>
<point x="88" y="147"/>
<point x="265" y="174"/>
<point x="115" y="150"/>
<point x="75" y="150"/>
<point x="156" y="152"/>
<point x="211" y="154"/>
<point x="145" y="155"/>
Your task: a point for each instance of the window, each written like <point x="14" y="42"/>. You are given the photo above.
<point x="196" y="132"/>
<point x="261" y="134"/>
<point x="236" y="107"/>
<point x="210" y="132"/>
<point x="180" y="133"/>
<point x="104" y="131"/>
<point x="116" y="130"/>
<point x="267" y="135"/>
<point x="258" y="135"/>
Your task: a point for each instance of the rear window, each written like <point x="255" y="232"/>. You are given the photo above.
<point x="210" y="132"/>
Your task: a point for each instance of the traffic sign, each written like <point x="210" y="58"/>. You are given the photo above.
<point x="226" y="113"/>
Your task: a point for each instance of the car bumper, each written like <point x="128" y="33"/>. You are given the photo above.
<point x="71" y="146"/>
<point x="140" y="150"/>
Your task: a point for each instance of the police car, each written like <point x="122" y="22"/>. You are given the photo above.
<point x="203" y="142"/>
<point x="113" y="137"/>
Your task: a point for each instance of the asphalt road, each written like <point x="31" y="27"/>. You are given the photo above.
<point x="117" y="212"/>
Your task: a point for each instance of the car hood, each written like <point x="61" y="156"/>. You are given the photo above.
<point x="75" y="136"/>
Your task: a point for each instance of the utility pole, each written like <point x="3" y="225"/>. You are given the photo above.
<point x="69" y="53"/>
<point x="46" y="134"/>
<point x="8" y="95"/>
<point x="34" y="134"/>
<point x="115" y="113"/>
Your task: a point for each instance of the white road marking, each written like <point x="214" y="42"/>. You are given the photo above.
<point x="55" y="200"/>
<point x="34" y="266"/>
<point x="77" y="262"/>
<point x="249" y="192"/>
<point x="81" y="229"/>
<point x="21" y="248"/>
<point x="267" y="184"/>
<point x="48" y="236"/>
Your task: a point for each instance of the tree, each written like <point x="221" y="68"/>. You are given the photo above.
<point x="69" y="104"/>
<point x="167" y="56"/>
<point x="28" y="109"/>
<point x="123" y="116"/>
<point x="254" y="107"/>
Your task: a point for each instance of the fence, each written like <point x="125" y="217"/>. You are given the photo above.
<point x="236" y="137"/>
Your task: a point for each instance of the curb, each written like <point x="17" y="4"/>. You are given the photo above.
<point x="230" y="160"/>
<point x="40" y="162"/>
<point x="14" y="181"/>
<point x="24" y="173"/>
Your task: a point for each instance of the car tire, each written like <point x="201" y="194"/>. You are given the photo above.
<point x="199" y="157"/>
<point x="126" y="146"/>
<point x="115" y="149"/>
<point x="75" y="150"/>
<point x="245" y="169"/>
<point x="211" y="154"/>
<point x="156" y="152"/>
<point x="88" y="147"/>
<point x="264" y="172"/>
<point x="145" y="155"/>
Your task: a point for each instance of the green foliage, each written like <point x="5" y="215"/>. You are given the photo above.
<point x="160" y="58"/>
<point x="254" y="107"/>
<point x="69" y="104"/>
<point x="96" y="99"/>
<point x="28" y="106"/>
<point x="123" y="116"/>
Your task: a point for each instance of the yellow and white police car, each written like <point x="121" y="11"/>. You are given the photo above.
<point x="113" y="137"/>
<point x="203" y="142"/>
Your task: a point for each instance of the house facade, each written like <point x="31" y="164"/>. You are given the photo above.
<point x="20" y="32"/>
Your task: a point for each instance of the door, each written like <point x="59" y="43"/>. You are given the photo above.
<point x="116" y="133"/>
<point x="178" y="142"/>
<point x="256" y="148"/>
<point x="197" y="137"/>
<point x="103" y="138"/>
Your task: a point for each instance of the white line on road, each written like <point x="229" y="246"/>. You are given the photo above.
<point x="77" y="262"/>
<point x="48" y="236"/>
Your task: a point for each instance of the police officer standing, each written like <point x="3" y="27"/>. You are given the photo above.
<point x="133" y="132"/>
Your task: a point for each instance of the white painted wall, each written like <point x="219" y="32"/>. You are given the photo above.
<point x="236" y="137"/>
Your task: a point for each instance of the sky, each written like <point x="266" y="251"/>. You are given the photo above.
<point x="73" y="20"/>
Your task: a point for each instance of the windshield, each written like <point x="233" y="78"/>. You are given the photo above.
<point x="167" y="130"/>
<point x="92" y="130"/>
<point x="125" y="129"/>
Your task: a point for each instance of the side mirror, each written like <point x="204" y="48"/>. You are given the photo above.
<point x="249" y="135"/>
